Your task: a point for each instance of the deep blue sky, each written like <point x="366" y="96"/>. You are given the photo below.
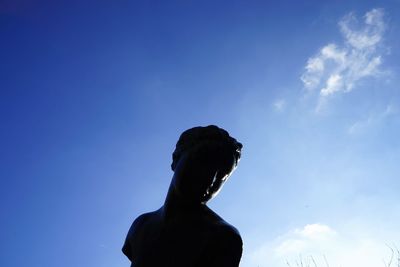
<point x="94" y="94"/>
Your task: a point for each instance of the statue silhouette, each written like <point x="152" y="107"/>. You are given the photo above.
<point x="184" y="232"/>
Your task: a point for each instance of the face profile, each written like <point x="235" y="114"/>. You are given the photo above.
<point x="184" y="231"/>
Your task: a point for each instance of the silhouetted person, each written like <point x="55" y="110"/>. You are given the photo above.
<point x="184" y="232"/>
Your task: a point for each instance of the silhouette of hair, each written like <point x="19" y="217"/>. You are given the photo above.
<point x="211" y="143"/>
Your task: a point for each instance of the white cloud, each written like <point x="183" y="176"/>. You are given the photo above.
<point x="316" y="231"/>
<point x="335" y="68"/>
<point x="333" y="84"/>
<point x="300" y="239"/>
<point x="368" y="36"/>
<point x="320" y="243"/>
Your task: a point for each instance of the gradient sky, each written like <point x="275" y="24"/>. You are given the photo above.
<point x="94" y="94"/>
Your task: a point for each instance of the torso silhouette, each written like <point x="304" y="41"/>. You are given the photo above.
<point x="202" y="239"/>
<point x="184" y="232"/>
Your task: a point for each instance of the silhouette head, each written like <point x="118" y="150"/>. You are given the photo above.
<point x="203" y="159"/>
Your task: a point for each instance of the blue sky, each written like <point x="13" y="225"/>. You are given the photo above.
<point x="94" y="94"/>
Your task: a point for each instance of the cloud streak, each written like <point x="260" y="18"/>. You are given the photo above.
<point x="337" y="69"/>
<point x="373" y="119"/>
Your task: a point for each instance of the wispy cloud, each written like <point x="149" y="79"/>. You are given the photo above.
<point x="338" y="68"/>
<point x="373" y="119"/>
<point x="279" y="105"/>
<point x="322" y="243"/>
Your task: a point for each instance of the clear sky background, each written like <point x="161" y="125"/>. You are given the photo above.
<point x="94" y="94"/>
